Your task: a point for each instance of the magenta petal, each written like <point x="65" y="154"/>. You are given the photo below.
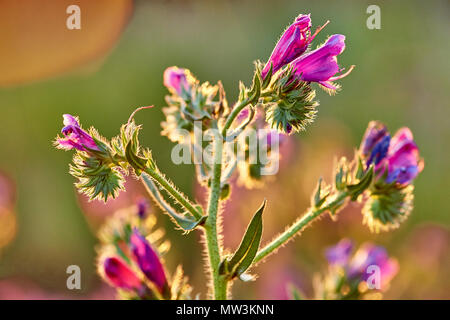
<point x="120" y="275"/>
<point x="70" y="120"/>
<point x="175" y="79"/>
<point x="148" y="260"/>
<point x="69" y="144"/>
<point x="321" y="65"/>
<point x="292" y="44"/>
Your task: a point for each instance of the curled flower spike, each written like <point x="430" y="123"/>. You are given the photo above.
<point x="148" y="261"/>
<point x="321" y="64"/>
<point x="120" y="275"/>
<point x="399" y="155"/>
<point x="74" y="136"/>
<point x="397" y="164"/>
<point x="292" y="44"/>
<point x="176" y="79"/>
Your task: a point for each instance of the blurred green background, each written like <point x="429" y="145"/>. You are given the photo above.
<point x="401" y="77"/>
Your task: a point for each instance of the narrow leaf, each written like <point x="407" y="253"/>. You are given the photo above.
<point x="244" y="255"/>
<point x="184" y="222"/>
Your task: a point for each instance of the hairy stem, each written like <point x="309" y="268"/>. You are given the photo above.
<point x="298" y="226"/>
<point x="234" y="113"/>
<point x="177" y="195"/>
<point x="212" y="242"/>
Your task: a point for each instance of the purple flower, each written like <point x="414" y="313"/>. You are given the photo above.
<point x="120" y="275"/>
<point x="321" y="64"/>
<point x="399" y="155"/>
<point x="374" y="133"/>
<point x="148" y="260"/>
<point x="403" y="160"/>
<point x="74" y="136"/>
<point x="371" y="255"/>
<point x="292" y="44"/>
<point x="339" y="255"/>
<point x="175" y="79"/>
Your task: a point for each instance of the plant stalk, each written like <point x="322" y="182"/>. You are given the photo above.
<point x="298" y="226"/>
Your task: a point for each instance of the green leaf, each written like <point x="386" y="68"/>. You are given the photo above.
<point x="244" y="255"/>
<point x="184" y="222"/>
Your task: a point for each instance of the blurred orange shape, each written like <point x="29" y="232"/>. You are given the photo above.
<point x="37" y="43"/>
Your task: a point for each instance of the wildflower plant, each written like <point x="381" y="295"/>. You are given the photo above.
<point x="242" y="140"/>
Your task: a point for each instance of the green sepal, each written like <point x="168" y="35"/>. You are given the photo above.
<point x="139" y="164"/>
<point x="356" y="189"/>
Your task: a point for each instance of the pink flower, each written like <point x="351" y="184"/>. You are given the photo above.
<point x="120" y="275"/>
<point x="175" y="79"/>
<point x="292" y="44"/>
<point x="74" y="136"/>
<point x="321" y="64"/>
<point x="403" y="160"/>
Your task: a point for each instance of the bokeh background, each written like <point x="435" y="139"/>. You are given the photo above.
<point x="115" y="64"/>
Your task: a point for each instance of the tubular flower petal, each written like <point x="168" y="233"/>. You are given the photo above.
<point x="321" y="65"/>
<point x="176" y="79"/>
<point x="120" y="275"/>
<point x="292" y="44"/>
<point x="74" y="136"/>
<point x="148" y="260"/>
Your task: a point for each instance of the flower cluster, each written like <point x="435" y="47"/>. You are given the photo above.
<point x="131" y="262"/>
<point x="93" y="162"/>
<point x="189" y="101"/>
<point x="397" y="163"/>
<point x="356" y="275"/>
<point x="279" y="102"/>
<point x="289" y="97"/>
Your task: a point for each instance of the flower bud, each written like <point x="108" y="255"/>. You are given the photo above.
<point x="404" y="163"/>
<point x="120" y="275"/>
<point x="175" y="79"/>
<point x="148" y="261"/>
<point x="142" y="207"/>
<point x="320" y="65"/>
<point x="74" y="136"/>
<point x="292" y="44"/>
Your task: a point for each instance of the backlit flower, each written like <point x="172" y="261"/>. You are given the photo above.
<point x="321" y="65"/>
<point x="74" y="136"/>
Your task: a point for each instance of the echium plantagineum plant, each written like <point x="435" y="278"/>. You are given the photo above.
<point x="279" y="102"/>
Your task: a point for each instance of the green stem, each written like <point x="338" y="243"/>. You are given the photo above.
<point x="214" y="250"/>
<point x="234" y="113"/>
<point x="177" y="195"/>
<point x="298" y="226"/>
<point x="219" y="282"/>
